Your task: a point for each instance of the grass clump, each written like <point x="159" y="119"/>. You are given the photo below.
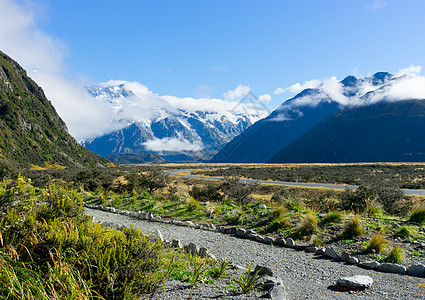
<point x="396" y="255"/>
<point x="308" y="225"/>
<point x="418" y="215"/>
<point x="404" y="231"/>
<point x="220" y="271"/>
<point x="332" y="217"/>
<point x="353" y="228"/>
<point x="377" y="243"/>
<point x="249" y="281"/>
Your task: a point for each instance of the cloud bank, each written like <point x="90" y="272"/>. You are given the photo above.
<point x="43" y="57"/>
<point x="407" y="84"/>
<point x="172" y="144"/>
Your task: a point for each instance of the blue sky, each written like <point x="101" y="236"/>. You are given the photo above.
<point x="204" y="48"/>
<point x="187" y="48"/>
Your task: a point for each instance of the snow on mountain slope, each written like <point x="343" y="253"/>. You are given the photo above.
<point x="168" y="124"/>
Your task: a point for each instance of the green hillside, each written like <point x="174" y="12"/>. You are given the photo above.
<point x="31" y="132"/>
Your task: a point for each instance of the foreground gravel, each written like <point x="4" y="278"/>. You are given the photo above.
<point x="305" y="276"/>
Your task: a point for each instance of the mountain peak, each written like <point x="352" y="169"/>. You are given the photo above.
<point x="349" y="81"/>
<point x="381" y="77"/>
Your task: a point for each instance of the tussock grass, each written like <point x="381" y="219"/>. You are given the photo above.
<point x="418" y="215"/>
<point x="332" y="217"/>
<point x="377" y="243"/>
<point x="396" y="255"/>
<point x="353" y="228"/>
<point x="308" y="225"/>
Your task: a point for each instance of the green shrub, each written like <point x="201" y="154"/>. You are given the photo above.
<point x="418" y="215"/>
<point x="192" y="204"/>
<point x="50" y="235"/>
<point x="332" y="217"/>
<point x="353" y="228"/>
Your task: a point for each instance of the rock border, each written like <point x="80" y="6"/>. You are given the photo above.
<point x="417" y="270"/>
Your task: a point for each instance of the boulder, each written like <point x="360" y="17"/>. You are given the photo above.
<point x="192" y="248"/>
<point x="370" y="264"/>
<point x="259" y="238"/>
<point x="392" y="268"/>
<point x="345" y="256"/>
<point x="321" y="251"/>
<point x="280" y="242"/>
<point x="354" y="282"/>
<point x="176" y="244"/>
<point x="353" y="260"/>
<point x="262" y="270"/>
<point x="202" y="252"/>
<point x="231" y="230"/>
<point x="249" y="234"/>
<point x="417" y="270"/>
<point x="240" y="232"/>
<point x="290" y="242"/>
<point x="330" y="252"/>
<point x="268" y="240"/>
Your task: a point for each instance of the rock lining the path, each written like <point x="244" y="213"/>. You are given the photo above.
<point x="417" y="270"/>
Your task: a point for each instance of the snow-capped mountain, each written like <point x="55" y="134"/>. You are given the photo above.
<point x="311" y="107"/>
<point x="174" y="128"/>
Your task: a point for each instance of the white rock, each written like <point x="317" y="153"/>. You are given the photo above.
<point x="355" y="282"/>
<point x="290" y="242"/>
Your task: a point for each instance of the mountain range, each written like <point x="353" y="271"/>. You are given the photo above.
<point x="165" y="128"/>
<point x="353" y="120"/>
<point x="31" y="132"/>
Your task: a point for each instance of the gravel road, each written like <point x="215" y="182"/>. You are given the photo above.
<point x="305" y="276"/>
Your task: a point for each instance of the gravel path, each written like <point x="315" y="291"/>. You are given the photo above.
<point x="305" y="276"/>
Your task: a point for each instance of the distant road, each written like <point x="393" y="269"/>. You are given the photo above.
<point x="300" y="184"/>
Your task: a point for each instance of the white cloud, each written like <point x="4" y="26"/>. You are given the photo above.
<point x="172" y="144"/>
<point x="377" y="5"/>
<point x="238" y="93"/>
<point x="411" y="70"/>
<point x="408" y="84"/>
<point x="265" y="98"/>
<point x="279" y="91"/>
<point x="43" y="57"/>
<point x="298" y="87"/>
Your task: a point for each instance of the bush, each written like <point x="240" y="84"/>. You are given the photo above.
<point x="46" y="232"/>
<point x="208" y="193"/>
<point x="353" y="228"/>
<point x="241" y="193"/>
<point x="418" y="215"/>
<point x="377" y="243"/>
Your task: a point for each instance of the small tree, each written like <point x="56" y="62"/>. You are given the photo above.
<point x="150" y="180"/>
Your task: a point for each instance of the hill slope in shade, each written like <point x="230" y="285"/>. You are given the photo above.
<point x="32" y="133"/>
<point x="386" y="131"/>
<point x="283" y="126"/>
<point x="297" y="116"/>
